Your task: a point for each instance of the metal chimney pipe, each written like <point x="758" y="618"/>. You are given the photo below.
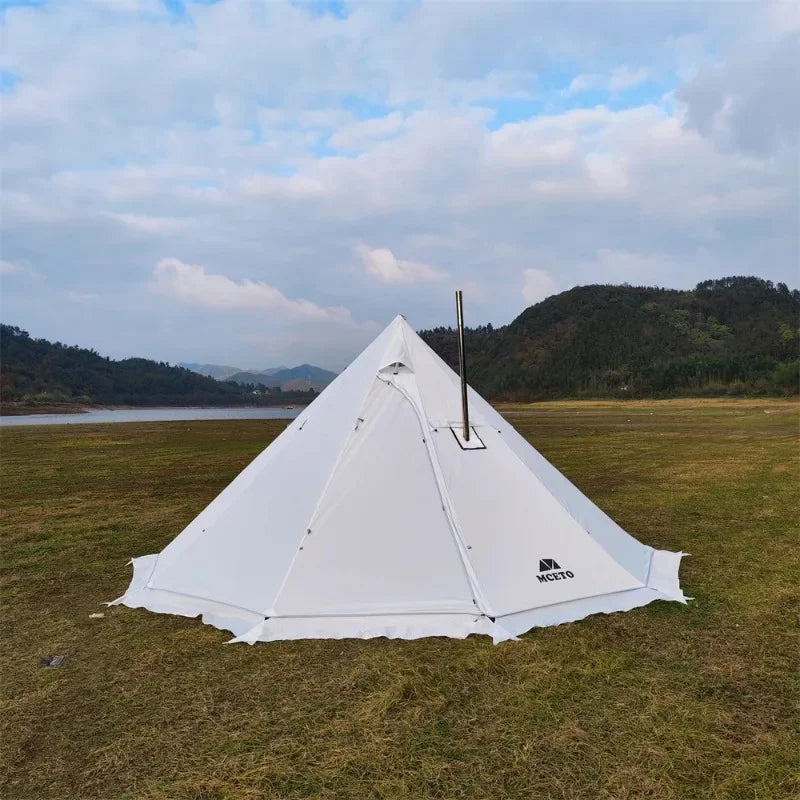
<point x="462" y="363"/>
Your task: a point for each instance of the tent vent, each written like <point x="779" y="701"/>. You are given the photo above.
<point x="395" y="367"/>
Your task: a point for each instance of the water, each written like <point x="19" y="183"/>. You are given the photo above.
<point x="151" y="415"/>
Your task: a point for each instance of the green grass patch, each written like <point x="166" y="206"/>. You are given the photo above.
<point x="663" y="702"/>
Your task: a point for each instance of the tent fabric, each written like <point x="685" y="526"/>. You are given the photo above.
<point x="370" y="515"/>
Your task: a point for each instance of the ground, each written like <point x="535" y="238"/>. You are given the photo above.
<point x="666" y="701"/>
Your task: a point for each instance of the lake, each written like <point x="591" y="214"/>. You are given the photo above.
<point x="150" y="415"/>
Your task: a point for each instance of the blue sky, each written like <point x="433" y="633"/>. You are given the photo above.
<point x="261" y="183"/>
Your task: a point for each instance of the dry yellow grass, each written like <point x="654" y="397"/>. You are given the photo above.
<point x="662" y="702"/>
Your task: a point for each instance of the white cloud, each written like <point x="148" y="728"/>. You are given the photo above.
<point x="192" y="285"/>
<point x="80" y="297"/>
<point x="536" y="286"/>
<point x="268" y="140"/>
<point x="750" y="101"/>
<point x="358" y="134"/>
<point x="649" y="268"/>
<point x="608" y="173"/>
<point x="20" y="269"/>
<point x="148" y="224"/>
<point x="23" y="208"/>
<point x="295" y="186"/>
<point x="624" y="78"/>
<point x="627" y="266"/>
<point x="584" y="83"/>
<point x="8" y="268"/>
<point x="129" y="6"/>
<point x="618" y="80"/>
<point x="381" y="263"/>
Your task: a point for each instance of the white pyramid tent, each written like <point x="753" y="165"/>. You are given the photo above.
<point x="371" y="516"/>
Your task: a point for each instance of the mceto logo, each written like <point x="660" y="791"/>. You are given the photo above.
<point x="549" y="570"/>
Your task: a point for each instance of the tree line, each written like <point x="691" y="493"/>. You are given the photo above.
<point x="39" y="371"/>
<point x="735" y="335"/>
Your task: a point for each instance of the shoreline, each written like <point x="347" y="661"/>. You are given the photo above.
<point x="20" y="410"/>
<point x="78" y="409"/>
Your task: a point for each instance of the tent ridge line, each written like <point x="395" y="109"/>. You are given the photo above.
<point x="148" y="584"/>
<point x="575" y="599"/>
<point x="322" y="496"/>
<point x="449" y="512"/>
<point x="649" y="566"/>
<point x="322" y="615"/>
<point x="206" y="599"/>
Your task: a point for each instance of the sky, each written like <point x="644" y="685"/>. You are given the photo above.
<point x="263" y="183"/>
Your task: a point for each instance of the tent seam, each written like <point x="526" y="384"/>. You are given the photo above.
<point x="576" y="599"/>
<point x="313" y="516"/>
<point x="323" y="493"/>
<point x="202" y="599"/>
<point x="472" y="578"/>
<point x="377" y="614"/>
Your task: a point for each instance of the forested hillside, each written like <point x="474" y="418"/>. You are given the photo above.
<point x="730" y="336"/>
<point x="36" y="370"/>
<point x="735" y="335"/>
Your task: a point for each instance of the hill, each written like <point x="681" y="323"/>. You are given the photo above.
<point x="36" y="370"/>
<point x="730" y="336"/>
<point x="301" y="378"/>
<point x="218" y="371"/>
<point x="288" y="379"/>
<point x="305" y="372"/>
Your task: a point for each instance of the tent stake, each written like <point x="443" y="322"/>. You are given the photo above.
<point x="462" y="363"/>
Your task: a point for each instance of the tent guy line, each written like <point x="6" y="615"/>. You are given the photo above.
<point x="351" y="530"/>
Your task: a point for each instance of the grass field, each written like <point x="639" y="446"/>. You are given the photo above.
<point x="666" y="701"/>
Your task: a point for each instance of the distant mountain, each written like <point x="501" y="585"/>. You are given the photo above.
<point x="217" y="371"/>
<point x="305" y="372"/>
<point x="301" y="378"/>
<point x="288" y="379"/>
<point x="738" y="335"/>
<point x="38" y="371"/>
